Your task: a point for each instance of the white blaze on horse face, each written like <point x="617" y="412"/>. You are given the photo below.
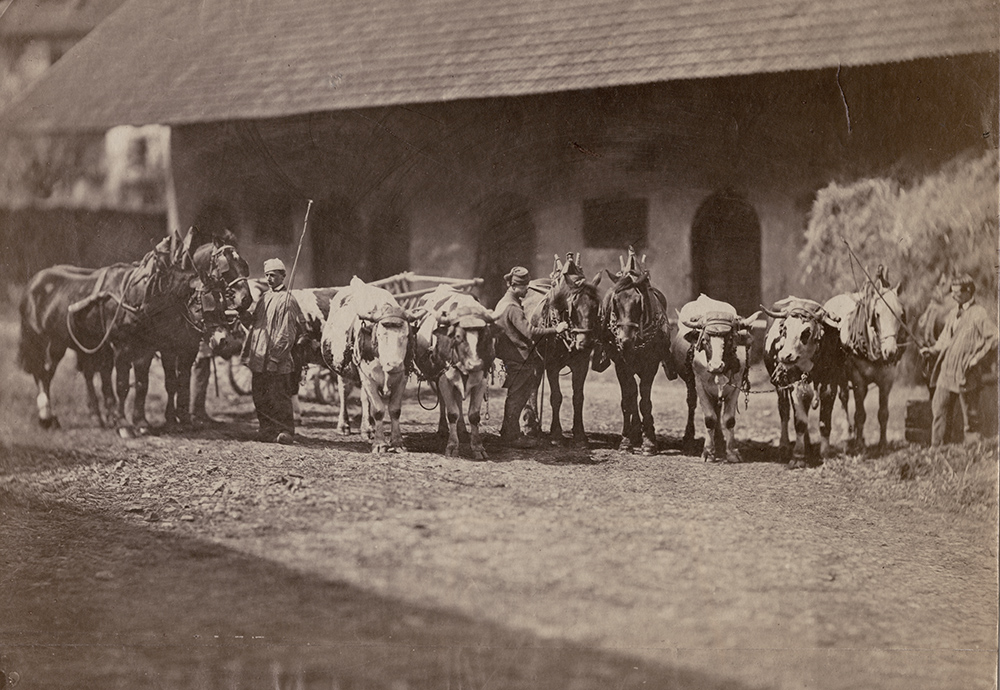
<point x="887" y="312"/>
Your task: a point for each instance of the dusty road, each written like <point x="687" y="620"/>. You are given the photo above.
<point x="206" y="560"/>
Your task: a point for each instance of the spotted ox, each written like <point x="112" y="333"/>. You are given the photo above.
<point x="871" y="332"/>
<point x="367" y="338"/>
<point x="804" y="357"/>
<point x="454" y="350"/>
<point x="710" y="348"/>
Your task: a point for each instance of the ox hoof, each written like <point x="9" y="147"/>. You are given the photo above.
<point x="797" y="463"/>
<point x="50" y="423"/>
<point x="708" y="456"/>
<point x="398" y="448"/>
<point x="451" y="450"/>
<point x="379" y="448"/>
<point x="126" y="432"/>
<point x="479" y="454"/>
<point x="734" y="457"/>
<point x="625" y="445"/>
<point x="344" y="430"/>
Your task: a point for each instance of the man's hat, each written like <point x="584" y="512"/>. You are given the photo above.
<point x="273" y="265"/>
<point x="517" y="276"/>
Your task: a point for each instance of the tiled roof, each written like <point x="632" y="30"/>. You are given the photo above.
<point x="187" y="61"/>
<point x="26" y="19"/>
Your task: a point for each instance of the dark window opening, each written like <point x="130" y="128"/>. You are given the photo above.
<point x="615" y="223"/>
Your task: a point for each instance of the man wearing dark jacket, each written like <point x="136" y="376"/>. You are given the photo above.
<point x="515" y="345"/>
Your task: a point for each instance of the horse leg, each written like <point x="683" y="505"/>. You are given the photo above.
<point x="367" y="430"/>
<point x="646" y="410"/>
<point x="555" y="402"/>
<point x="87" y="367"/>
<point x="579" y="371"/>
<point x="883" y="415"/>
<point x="844" y="393"/>
<point x="860" y="416"/>
<point x="476" y="397"/>
<point x="123" y="374"/>
<point x="170" y="378"/>
<point x="141" y="367"/>
<point x="376" y="408"/>
<point x="630" y="410"/>
<point x="453" y="409"/>
<point x="185" y="363"/>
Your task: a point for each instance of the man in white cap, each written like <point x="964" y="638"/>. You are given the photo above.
<point x="277" y="324"/>
<point x="515" y="345"/>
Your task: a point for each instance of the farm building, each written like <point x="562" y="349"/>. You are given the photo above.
<point x="456" y="137"/>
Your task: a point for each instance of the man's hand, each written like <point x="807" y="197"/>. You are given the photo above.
<point x="562" y="327"/>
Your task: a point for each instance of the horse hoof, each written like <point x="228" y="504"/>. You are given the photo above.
<point x="379" y="448"/>
<point x="479" y="454"/>
<point x="625" y="445"/>
<point x="707" y="456"/>
<point x="126" y="432"/>
<point x="451" y="450"/>
<point x="344" y="430"/>
<point x="797" y="463"/>
<point x="649" y="447"/>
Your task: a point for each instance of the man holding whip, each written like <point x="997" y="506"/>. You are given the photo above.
<point x="277" y="325"/>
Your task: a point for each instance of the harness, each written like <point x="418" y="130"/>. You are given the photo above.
<point x="651" y="324"/>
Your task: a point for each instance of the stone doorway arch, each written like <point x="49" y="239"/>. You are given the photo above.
<point x="725" y="251"/>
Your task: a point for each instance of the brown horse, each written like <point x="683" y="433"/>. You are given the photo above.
<point x="635" y="335"/>
<point x="568" y="297"/>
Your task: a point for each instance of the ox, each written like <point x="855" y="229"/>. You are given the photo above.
<point x="713" y="342"/>
<point x="367" y="338"/>
<point x="804" y="357"/>
<point x="871" y="331"/>
<point x="569" y="298"/>
<point x="635" y="335"/>
<point x="454" y="350"/>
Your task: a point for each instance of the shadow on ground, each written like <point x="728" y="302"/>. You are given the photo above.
<point x="91" y="602"/>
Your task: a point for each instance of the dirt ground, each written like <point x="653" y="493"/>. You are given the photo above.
<point x="204" y="559"/>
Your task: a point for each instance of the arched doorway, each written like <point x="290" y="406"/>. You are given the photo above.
<point x="339" y="243"/>
<point x="725" y="251"/>
<point x="506" y="237"/>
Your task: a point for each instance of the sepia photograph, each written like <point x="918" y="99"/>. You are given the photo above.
<point x="499" y="345"/>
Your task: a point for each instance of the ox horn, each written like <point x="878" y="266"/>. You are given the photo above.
<point x="773" y="314"/>
<point x="747" y="323"/>
<point x="692" y="323"/>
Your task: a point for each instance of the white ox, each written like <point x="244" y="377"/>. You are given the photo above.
<point x="366" y="338"/>
<point x="711" y="348"/>
<point x="455" y="351"/>
<point x="804" y="357"/>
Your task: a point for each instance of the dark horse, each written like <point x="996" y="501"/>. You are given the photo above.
<point x="91" y="310"/>
<point x="635" y="335"/>
<point x="567" y="297"/>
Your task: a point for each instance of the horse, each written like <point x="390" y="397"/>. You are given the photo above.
<point x="212" y="319"/>
<point x="872" y="332"/>
<point x="568" y="297"/>
<point x="635" y="335"/>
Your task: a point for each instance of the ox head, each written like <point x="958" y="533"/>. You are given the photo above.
<point x="385" y="334"/>
<point x="469" y="338"/>
<point x="717" y="335"/>
<point x="796" y="332"/>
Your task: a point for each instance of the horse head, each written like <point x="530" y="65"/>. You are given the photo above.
<point x="224" y="271"/>
<point x="884" y="322"/>
<point x="574" y="299"/>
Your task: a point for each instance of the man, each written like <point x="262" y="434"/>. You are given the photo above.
<point x="276" y="325"/>
<point x="969" y="336"/>
<point x="515" y="345"/>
